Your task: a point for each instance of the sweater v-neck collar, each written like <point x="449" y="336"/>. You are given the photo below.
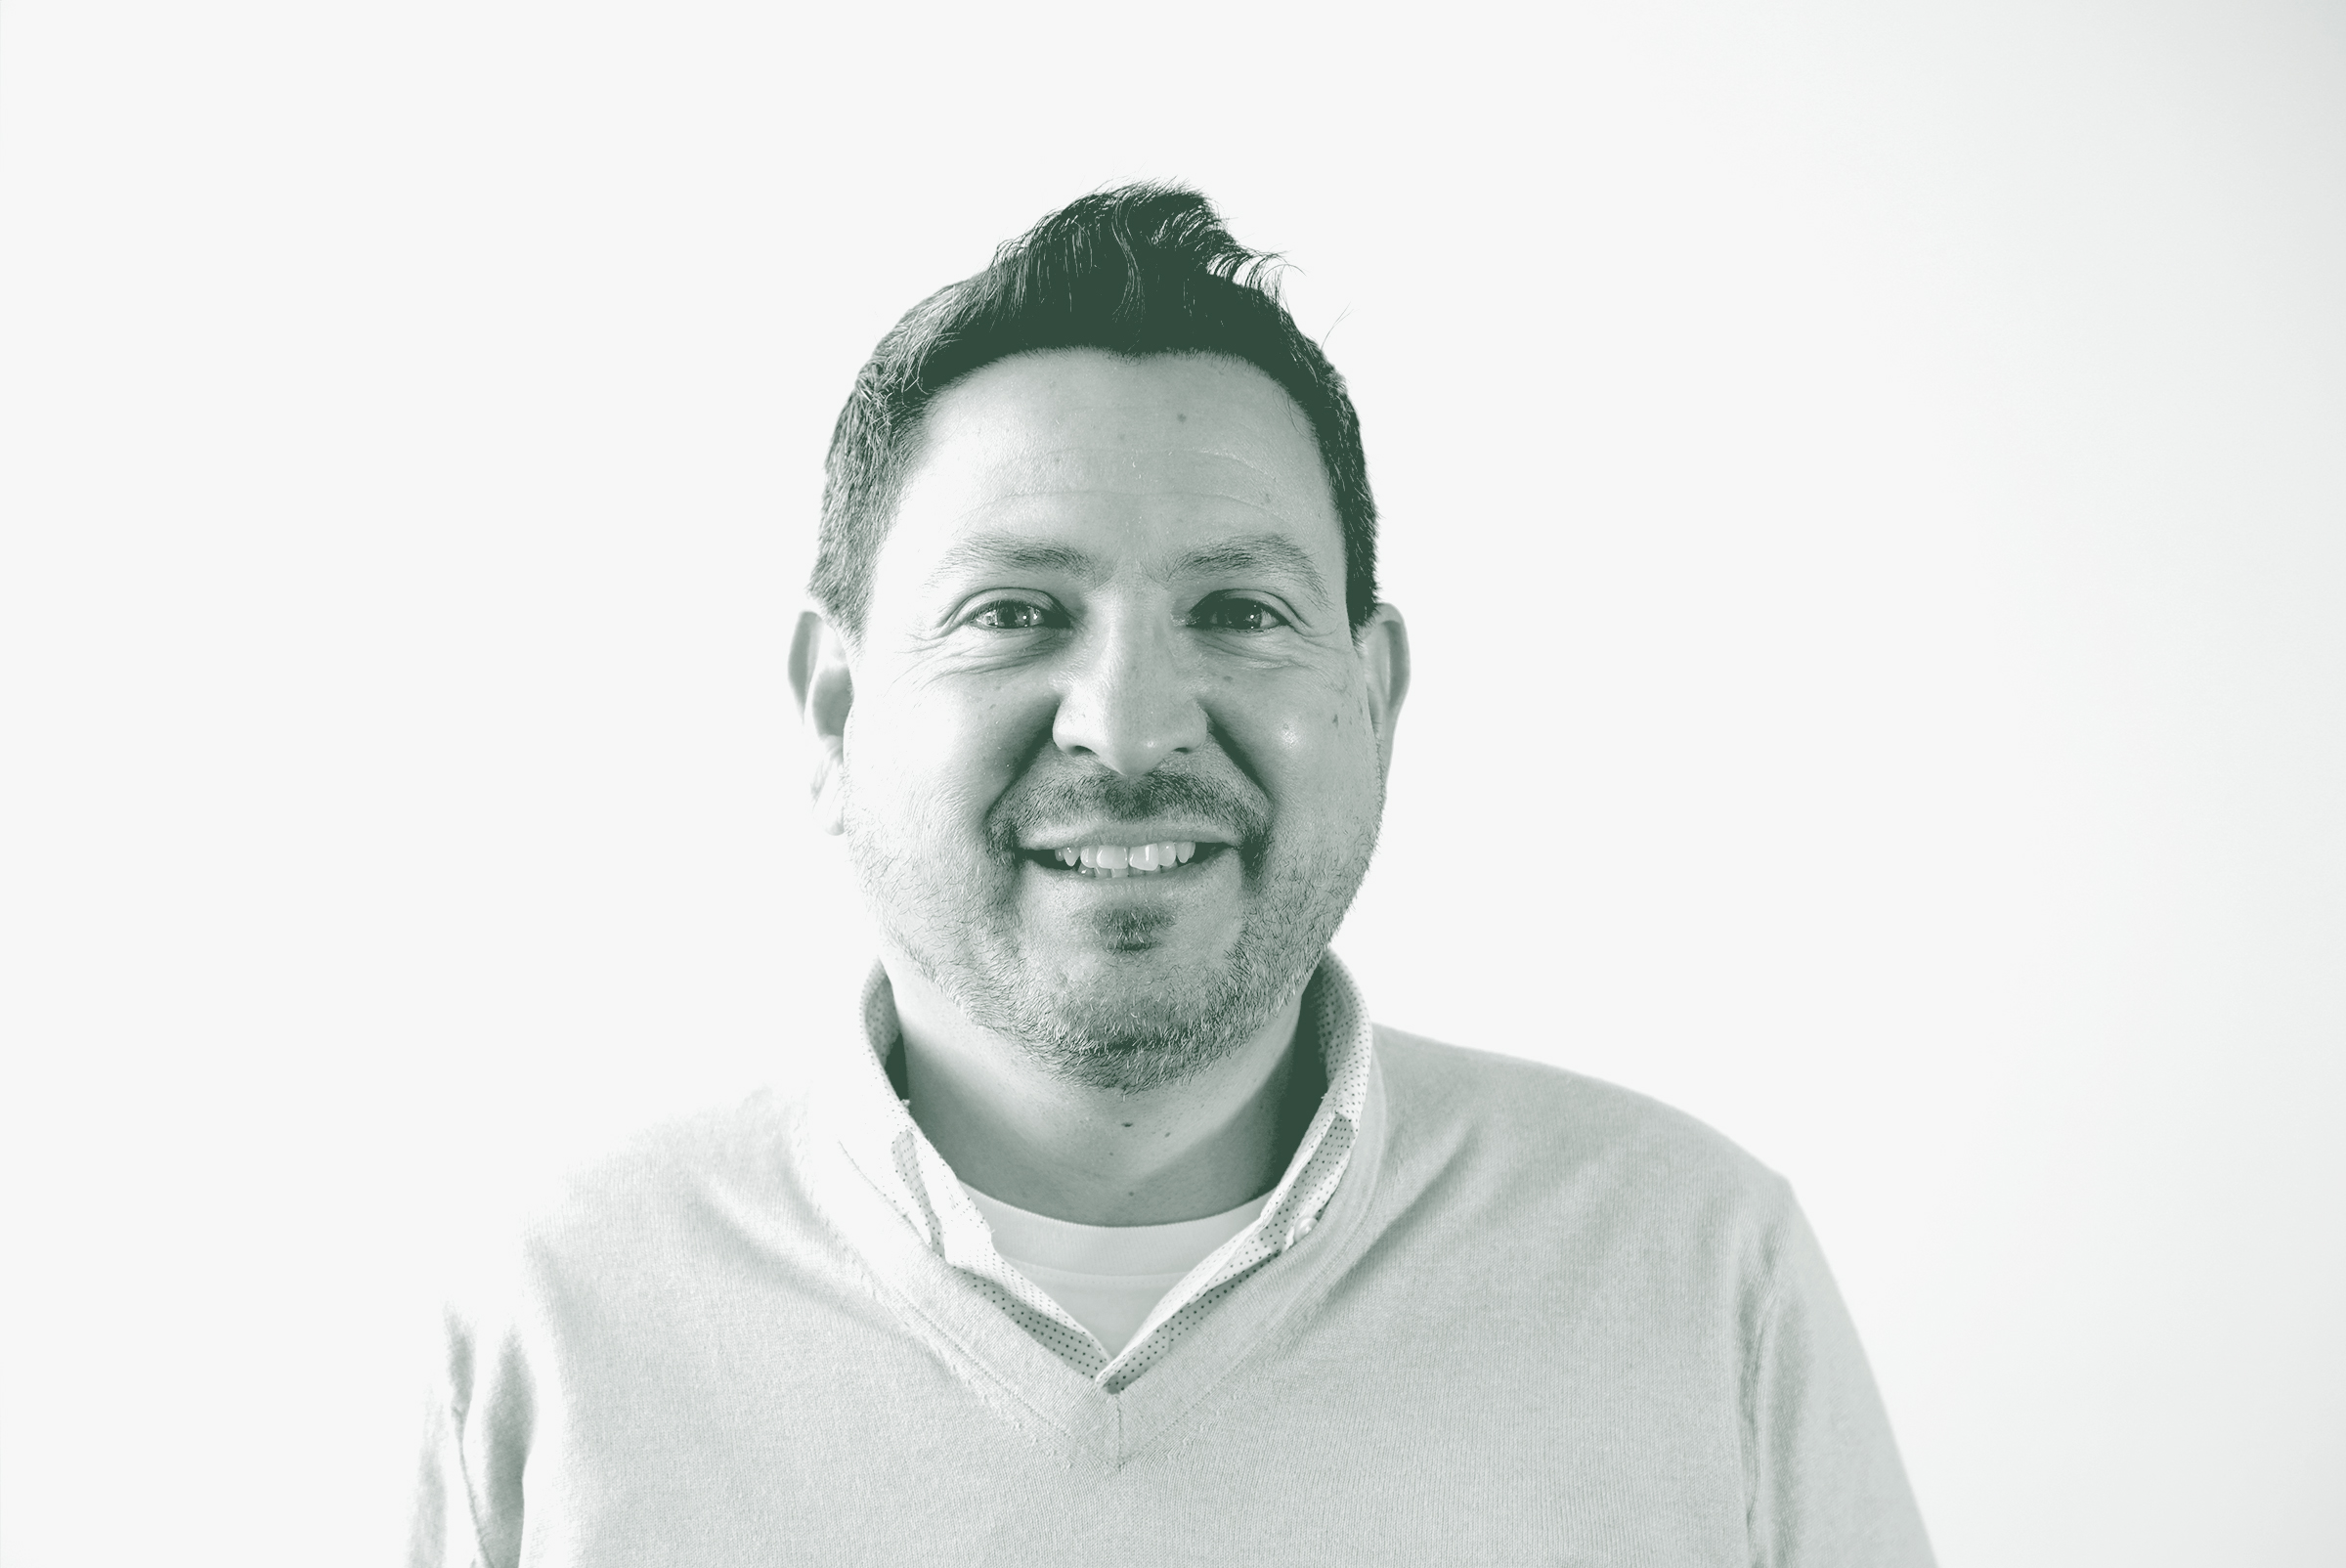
<point x="896" y="1206"/>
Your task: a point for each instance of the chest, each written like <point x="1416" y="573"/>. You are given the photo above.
<point x="1533" y="1419"/>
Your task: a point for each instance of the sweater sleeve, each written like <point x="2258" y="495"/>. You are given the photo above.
<point x="467" y="1503"/>
<point x="1828" y="1490"/>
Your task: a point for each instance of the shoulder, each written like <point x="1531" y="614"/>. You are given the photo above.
<point x="651" y="1184"/>
<point x="637" y="1207"/>
<point x="1528" y="1125"/>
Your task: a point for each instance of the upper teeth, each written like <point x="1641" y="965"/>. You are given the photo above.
<point x="1123" y="861"/>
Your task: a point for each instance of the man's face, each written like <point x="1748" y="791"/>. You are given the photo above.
<point x="1110" y="618"/>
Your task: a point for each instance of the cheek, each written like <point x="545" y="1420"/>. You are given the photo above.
<point x="945" y="748"/>
<point x="1321" y="749"/>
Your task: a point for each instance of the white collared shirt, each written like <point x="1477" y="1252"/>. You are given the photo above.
<point x="880" y="1138"/>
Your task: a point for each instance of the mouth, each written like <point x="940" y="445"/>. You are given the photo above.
<point x="1111" y="862"/>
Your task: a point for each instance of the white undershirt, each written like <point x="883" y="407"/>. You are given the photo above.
<point x="1108" y="1275"/>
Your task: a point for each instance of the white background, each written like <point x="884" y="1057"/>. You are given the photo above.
<point x="1868" y="485"/>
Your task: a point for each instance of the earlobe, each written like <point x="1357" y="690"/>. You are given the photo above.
<point x="823" y="684"/>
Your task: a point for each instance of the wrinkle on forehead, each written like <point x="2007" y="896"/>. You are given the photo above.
<point x="977" y="478"/>
<point x="1002" y="485"/>
<point x="1080" y="422"/>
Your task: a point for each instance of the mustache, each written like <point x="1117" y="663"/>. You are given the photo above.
<point x="1234" y="806"/>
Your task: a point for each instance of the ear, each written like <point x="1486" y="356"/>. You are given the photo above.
<point x="1383" y="645"/>
<point x="823" y="684"/>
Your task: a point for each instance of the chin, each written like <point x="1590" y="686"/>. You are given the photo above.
<point x="1131" y="1046"/>
<point x="1126" y="1020"/>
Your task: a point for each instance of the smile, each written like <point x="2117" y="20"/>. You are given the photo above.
<point x="1112" y="860"/>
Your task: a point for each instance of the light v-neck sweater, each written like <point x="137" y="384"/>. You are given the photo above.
<point x="1539" y="1319"/>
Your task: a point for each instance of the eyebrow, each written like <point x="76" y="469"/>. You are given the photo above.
<point x="1250" y="555"/>
<point x="1009" y="553"/>
<point x="1241" y="556"/>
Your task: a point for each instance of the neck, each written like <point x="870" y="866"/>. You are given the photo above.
<point x="1099" y="1157"/>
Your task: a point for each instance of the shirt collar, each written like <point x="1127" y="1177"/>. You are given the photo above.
<point x="1332" y="1010"/>
<point x="887" y="1146"/>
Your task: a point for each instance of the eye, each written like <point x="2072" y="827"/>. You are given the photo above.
<point x="1221" y="614"/>
<point x="1011" y="615"/>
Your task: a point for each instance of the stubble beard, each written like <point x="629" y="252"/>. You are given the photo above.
<point x="963" y="933"/>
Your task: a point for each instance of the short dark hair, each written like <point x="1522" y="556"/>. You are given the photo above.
<point x="1136" y="271"/>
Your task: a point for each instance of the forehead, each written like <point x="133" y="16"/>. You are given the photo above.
<point x="1116" y="455"/>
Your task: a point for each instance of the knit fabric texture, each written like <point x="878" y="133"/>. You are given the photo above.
<point x="1496" y="1313"/>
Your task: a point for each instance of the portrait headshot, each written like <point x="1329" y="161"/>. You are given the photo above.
<point x="1071" y="788"/>
<point x="1122" y="1203"/>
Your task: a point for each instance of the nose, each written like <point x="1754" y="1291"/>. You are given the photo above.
<point x="1130" y="699"/>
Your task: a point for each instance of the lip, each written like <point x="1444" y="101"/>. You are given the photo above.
<point x="1206" y="862"/>
<point x="1126" y="834"/>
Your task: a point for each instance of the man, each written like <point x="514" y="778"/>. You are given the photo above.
<point x="1116" y="1232"/>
